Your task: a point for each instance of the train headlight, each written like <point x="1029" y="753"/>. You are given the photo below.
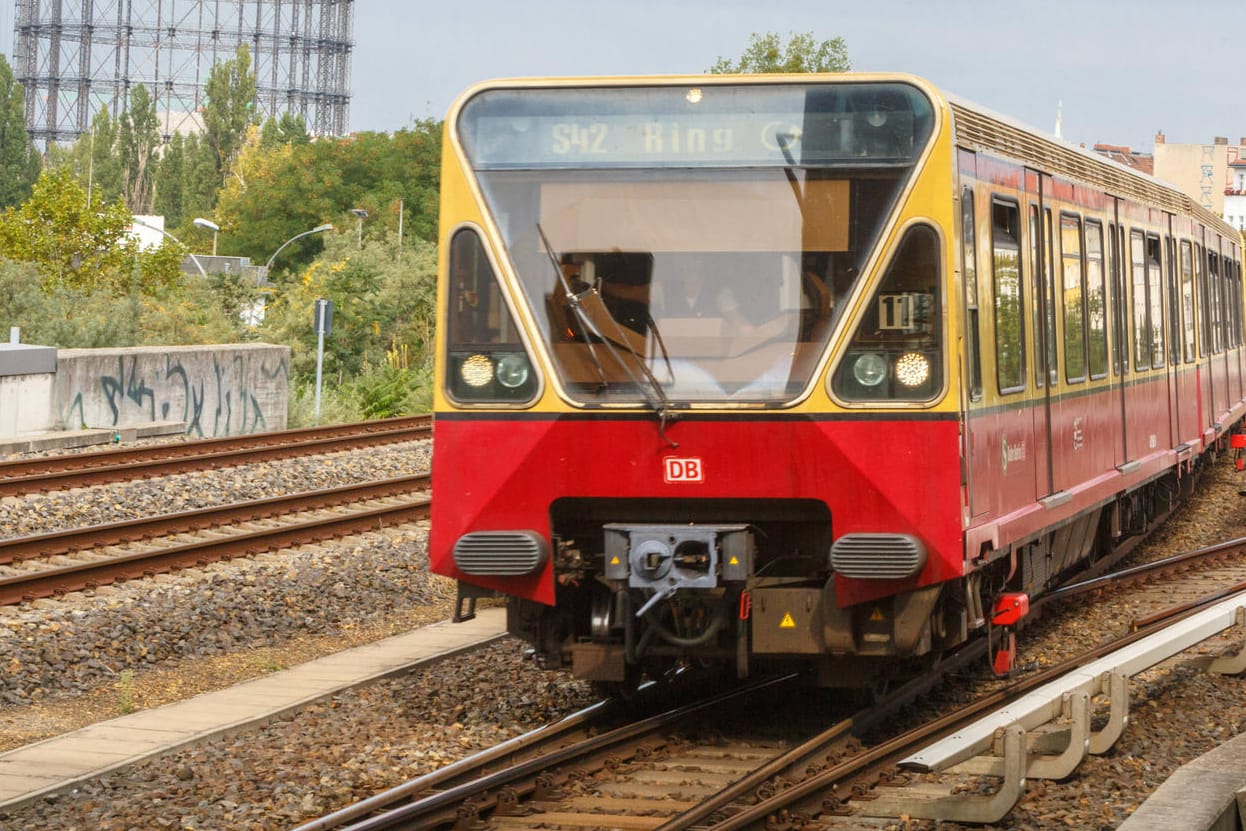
<point x="869" y="369"/>
<point x="513" y="371"/>
<point x="912" y="369"/>
<point x="477" y="370"/>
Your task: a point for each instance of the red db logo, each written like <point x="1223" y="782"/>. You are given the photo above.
<point x="683" y="470"/>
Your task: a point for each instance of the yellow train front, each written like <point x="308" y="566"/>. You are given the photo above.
<point x="699" y="378"/>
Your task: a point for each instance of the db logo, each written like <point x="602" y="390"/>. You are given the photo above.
<point x="683" y="470"/>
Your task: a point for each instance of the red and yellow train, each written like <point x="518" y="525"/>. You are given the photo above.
<point x="824" y="371"/>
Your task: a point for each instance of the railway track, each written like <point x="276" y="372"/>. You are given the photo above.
<point x="46" y="565"/>
<point x="81" y="469"/>
<point x="647" y="780"/>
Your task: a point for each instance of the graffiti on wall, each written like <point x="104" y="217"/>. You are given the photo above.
<point x="214" y="393"/>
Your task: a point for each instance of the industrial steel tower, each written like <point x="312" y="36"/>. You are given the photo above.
<point x="74" y="57"/>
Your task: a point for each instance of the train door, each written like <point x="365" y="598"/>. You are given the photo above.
<point x="1042" y="269"/>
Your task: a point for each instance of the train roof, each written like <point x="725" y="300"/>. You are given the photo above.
<point x="978" y="128"/>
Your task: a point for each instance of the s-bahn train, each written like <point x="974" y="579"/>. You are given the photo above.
<point x="821" y="371"/>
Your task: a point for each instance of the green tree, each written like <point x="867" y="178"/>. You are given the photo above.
<point x="229" y="108"/>
<point x="19" y="160"/>
<point x="801" y="54"/>
<point x="286" y="129"/>
<point x="94" y="158"/>
<point x="78" y="243"/>
<point x="138" y="143"/>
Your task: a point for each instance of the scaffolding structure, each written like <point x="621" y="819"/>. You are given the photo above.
<point x="76" y="57"/>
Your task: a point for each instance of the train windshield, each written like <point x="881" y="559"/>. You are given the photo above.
<point x="691" y="242"/>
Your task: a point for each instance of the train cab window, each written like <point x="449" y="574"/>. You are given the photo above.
<point x="1008" y="301"/>
<point x="896" y="353"/>
<point x="1073" y="298"/>
<point x="1187" y="301"/>
<point x="1096" y="303"/>
<point x="1138" y="283"/>
<point x="486" y="361"/>
<point x="970" y="266"/>
<point x="1155" y="300"/>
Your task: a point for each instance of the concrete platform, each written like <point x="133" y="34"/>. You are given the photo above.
<point x="61" y="439"/>
<point x="59" y="763"/>
<point x="1202" y="795"/>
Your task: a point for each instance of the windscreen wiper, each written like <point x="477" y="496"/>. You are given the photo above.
<point x="595" y="320"/>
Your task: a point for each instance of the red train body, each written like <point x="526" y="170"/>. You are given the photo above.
<point x="950" y="361"/>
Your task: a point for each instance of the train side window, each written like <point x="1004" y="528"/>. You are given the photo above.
<point x="1073" y="298"/>
<point x="1120" y="326"/>
<point x="1235" y="304"/>
<point x="1213" y="295"/>
<point x="1096" y="302"/>
<point x="1040" y="366"/>
<point x="1204" y="315"/>
<point x="1141" y="338"/>
<point x="1155" y="300"/>
<point x="1006" y="281"/>
<point x="1174" y="306"/>
<point x="970" y="265"/>
<point x="1049" y="297"/>
<point x="1187" y="300"/>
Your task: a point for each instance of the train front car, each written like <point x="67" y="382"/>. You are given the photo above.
<point x="695" y="399"/>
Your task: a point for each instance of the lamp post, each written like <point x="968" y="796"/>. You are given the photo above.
<point x="361" y="214"/>
<point x="209" y="225"/>
<point x="198" y="265"/>
<point x="318" y="229"/>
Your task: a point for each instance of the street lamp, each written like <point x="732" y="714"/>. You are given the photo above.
<point x="362" y="215"/>
<point x="209" y="225"/>
<point x="318" y="229"/>
<point x="198" y="265"/>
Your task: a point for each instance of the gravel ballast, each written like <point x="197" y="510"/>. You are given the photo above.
<point x="365" y="740"/>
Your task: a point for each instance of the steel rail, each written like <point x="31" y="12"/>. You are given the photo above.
<point x="835" y="781"/>
<point x="97" y="468"/>
<point x="438" y="808"/>
<point x="17" y="549"/>
<point x="25" y="587"/>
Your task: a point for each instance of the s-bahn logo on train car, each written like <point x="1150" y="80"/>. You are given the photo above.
<point x="682" y="470"/>
<point x="1012" y="453"/>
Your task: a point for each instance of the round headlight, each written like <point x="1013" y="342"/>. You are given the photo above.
<point x="869" y="369"/>
<point x="513" y="371"/>
<point x="476" y="371"/>
<point x="912" y="369"/>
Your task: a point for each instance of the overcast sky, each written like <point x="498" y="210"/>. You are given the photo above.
<point x="1117" y="72"/>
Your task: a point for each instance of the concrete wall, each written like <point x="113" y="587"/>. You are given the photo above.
<point x="224" y="390"/>
<point x="25" y="402"/>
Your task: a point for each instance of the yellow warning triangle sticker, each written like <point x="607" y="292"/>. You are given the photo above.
<point x="877" y="614"/>
<point x="787" y="622"/>
<point x="734" y="561"/>
<point x="614" y="561"/>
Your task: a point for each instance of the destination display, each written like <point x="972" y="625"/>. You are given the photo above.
<point x="868" y="122"/>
